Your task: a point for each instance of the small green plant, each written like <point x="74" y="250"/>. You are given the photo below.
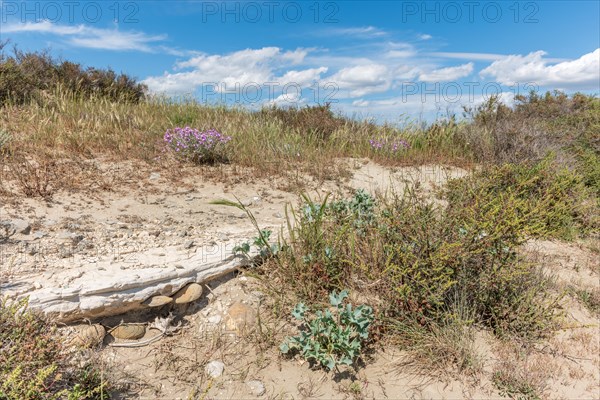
<point x="511" y="386"/>
<point x="333" y="336"/>
<point x="261" y="242"/>
<point x="360" y="209"/>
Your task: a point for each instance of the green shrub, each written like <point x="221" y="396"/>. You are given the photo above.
<point x="34" y="363"/>
<point x="415" y="256"/>
<point x="550" y="200"/>
<point x="27" y="76"/>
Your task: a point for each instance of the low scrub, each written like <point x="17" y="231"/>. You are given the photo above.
<point x="550" y="200"/>
<point x="414" y="256"/>
<point x="28" y="76"/>
<point x="34" y="363"/>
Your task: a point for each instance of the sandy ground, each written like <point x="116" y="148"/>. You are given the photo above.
<point x="155" y="216"/>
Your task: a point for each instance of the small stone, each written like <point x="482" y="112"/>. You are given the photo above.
<point x="247" y="202"/>
<point x="188" y="245"/>
<point x="64" y="235"/>
<point x="128" y="331"/>
<point x="257" y="388"/>
<point x="214" y="319"/>
<point x="37" y="285"/>
<point x="39" y="234"/>
<point x="240" y="317"/>
<point x="21" y="226"/>
<point x="88" y="335"/>
<point x="156" y="233"/>
<point x="66" y="252"/>
<point x="214" y="369"/>
<point x="189" y="293"/>
<point x="157" y="301"/>
<point x="77" y="238"/>
<point x="223" y="237"/>
<point x="278" y="215"/>
<point x="154" y="176"/>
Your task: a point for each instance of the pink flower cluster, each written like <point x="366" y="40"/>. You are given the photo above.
<point x="193" y="145"/>
<point x="384" y="144"/>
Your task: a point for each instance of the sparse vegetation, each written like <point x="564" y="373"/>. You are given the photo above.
<point x="431" y="271"/>
<point x="35" y="364"/>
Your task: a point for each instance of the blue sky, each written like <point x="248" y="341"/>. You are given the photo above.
<point x="382" y="59"/>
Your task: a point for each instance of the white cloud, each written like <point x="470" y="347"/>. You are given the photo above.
<point x="287" y="99"/>
<point x="363" y="32"/>
<point x="363" y="79"/>
<point x="425" y="36"/>
<point x="425" y="106"/>
<point x="303" y="78"/>
<point x="583" y="72"/>
<point x="361" y="103"/>
<point x="447" y="74"/>
<point x="234" y="71"/>
<point x="89" y="37"/>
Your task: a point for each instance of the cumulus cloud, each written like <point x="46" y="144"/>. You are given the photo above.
<point x="363" y="79"/>
<point x="237" y="70"/>
<point x="582" y="73"/>
<point x="94" y="38"/>
<point x="303" y="77"/>
<point x="447" y="74"/>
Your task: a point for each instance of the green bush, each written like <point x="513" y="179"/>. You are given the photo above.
<point x="34" y="363"/>
<point x="27" y="76"/>
<point x="415" y="256"/>
<point x="550" y="200"/>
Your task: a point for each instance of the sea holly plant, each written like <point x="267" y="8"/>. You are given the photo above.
<point x="190" y="144"/>
<point x="331" y="337"/>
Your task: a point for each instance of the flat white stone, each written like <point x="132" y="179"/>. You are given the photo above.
<point x="93" y="292"/>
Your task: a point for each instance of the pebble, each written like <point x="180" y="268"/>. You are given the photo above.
<point x="21" y="226"/>
<point x="256" y="387"/>
<point x="188" y="245"/>
<point x="39" y="234"/>
<point x="215" y="368"/>
<point x="240" y="317"/>
<point x="214" y="319"/>
<point x="16" y="226"/>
